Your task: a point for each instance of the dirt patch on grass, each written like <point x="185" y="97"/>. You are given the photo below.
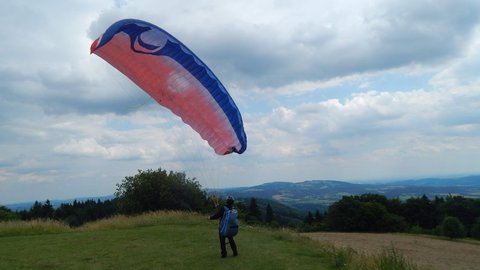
<point x="428" y="252"/>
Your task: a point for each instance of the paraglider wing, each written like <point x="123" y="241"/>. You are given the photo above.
<point x="176" y="78"/>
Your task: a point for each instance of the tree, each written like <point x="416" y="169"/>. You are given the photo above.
<point x="475" y="230"/>
<point x="78" y="213"/>
<point x="47" y="210"/>
<point x="372" y="197"/>
<point x="318" y="217"/>
<point x="6" y="214"/>
<point x="452" y="227"/>
<point x="465" y="209"/>
<point x="269" y="214"/>
<point x="421" y="211"/>
<point x="354" y="214"/>
<point x="309" y="218"/>
<point x="159" y="190"/>
<point x="36" y="211"/>
<point x="253" y="215"/>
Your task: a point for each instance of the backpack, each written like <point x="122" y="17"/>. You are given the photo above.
<point x="229" y="222"/>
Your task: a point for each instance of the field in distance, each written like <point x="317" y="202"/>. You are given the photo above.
<point x="427" y="251"/>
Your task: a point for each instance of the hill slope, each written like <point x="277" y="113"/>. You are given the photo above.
<point x="172" y="240"/>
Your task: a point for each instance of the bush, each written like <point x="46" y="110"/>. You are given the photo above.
<point x="393" y="259"/>
<point x="475" y="230"/>
<point x="6" y="214"/>
<point x="159" y="190"/>
<point x="347" y="258"/>
<point x="453" y="228"/>
<point x="416" y="229"/>
<point x="340" y="257"/>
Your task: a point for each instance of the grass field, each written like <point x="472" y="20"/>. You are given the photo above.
<point x="170" y="240"/>
<point x="155" y="241"/>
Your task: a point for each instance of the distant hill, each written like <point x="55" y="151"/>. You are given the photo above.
<point x="468" y="181"/>
<point x="319" y="194"/>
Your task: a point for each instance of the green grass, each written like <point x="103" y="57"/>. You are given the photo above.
<point x="172" y="240"/>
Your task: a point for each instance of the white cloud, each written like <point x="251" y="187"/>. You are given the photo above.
<point x="462" y="71"/>
<point x="313" y="81"/>
<point x="378" y="124"/>
<point x="302" y="87"/>
<point x="87" y="147"/>
<point x="277" y="44"/>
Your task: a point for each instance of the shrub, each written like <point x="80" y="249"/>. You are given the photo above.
<point x="159" y="190"/>
<point x="340" y="257"/>
<point x="416" y="229"/>
<point x="392" y="259"/>
<point x="475" y="230"/>
<point x="7" y="214"/>
<point x="452" y="228"/>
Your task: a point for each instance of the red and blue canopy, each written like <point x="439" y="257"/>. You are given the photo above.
<point x="176" y="78"/>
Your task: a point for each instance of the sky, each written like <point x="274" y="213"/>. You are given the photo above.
<point x="350" y="90"/>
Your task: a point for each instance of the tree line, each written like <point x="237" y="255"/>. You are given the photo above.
<point x="452" y="216"/>
<point x="149" y="190"/>
<point x="74" y="214"/>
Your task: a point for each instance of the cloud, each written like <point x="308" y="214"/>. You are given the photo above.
<point x="313" y="41"/>
<point x="87" y="147"/>
<point x="300" y="47"/>
<point x="368" y="122"/>
<point x="344" y="89"/>
<point x="364" y="147"/>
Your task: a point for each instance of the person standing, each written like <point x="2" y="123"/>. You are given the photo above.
<point x="228" y="226"/>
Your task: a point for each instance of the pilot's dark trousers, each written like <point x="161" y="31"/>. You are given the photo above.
<point x="232" y="245"/>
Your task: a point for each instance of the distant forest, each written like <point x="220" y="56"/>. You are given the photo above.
<point x="451" y="216"/>
<point x="153" y="190"/>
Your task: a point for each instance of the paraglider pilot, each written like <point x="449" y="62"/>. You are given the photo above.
<point x="228" y="225"/>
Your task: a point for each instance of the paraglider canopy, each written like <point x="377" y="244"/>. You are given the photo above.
<point x="176" y="78"/>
